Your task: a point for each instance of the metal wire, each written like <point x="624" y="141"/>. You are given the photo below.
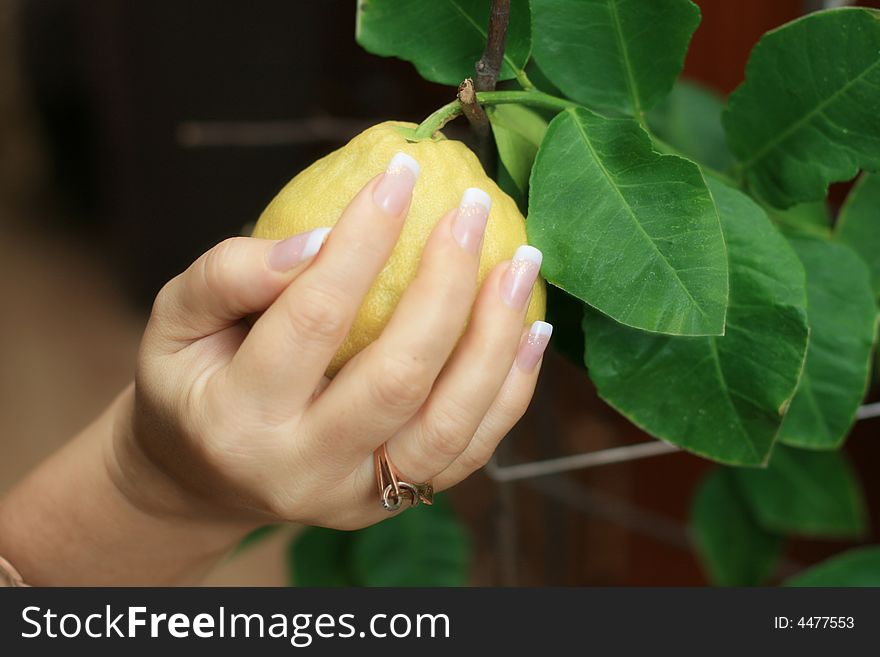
<point x="578" y="461"/>
<point x="623" y="513"/>
<point x="623" y="454"/>
<point x="868" y="411"/>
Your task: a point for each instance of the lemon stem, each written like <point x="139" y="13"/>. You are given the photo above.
<point x="439" y="118"/>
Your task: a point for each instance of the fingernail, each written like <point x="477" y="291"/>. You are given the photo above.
<point x="470" y="222"/>
<point x="517" y="282"/>
<point x="393" y="192"/>
<point x="533" y="346"/>
<point x="292" y="251"/>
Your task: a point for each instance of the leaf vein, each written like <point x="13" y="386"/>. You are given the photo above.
<point x="613" y="184"/>
<point x="624" y="51"/>
<point x="809" y="116"/>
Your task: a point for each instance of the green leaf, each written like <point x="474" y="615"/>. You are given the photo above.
<point x="806" y="493"/>
<point x="633" y="233"/>
<point x="442" y="38"/>
<point x="858" y="567"/>
<point x="618" y="54"/>
<point x="689" y="119"/>
<point x="806" y="218"/>
<point x="734" y="550"/>
<point x="719" y="397"/>
<point x="541" y="81"/>
<point x="843" y="318"/>
<point x="320" y="557"/>
<point x="858" y="224"/>
<point x="425" y="546"/>
<point x="807" y="113"/>
<point x="518" y="132"/>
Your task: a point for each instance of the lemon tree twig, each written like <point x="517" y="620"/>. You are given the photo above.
<point x="443" y="115"/>
<point x="489" y="65"/>
<point x="476" y="115"/>
<point x="487" y="69"/>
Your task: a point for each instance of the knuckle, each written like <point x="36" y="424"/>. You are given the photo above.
<point x="163" y="300"/>
<point x="451" y="292"/>
<point x="458" y="287"/>
<point x="219" y="263"/>
<point x="317" y="314"/>
<point x="370" y="245"/>
<point x="401" y="383"/>
<point x="445" y="433"/>
<point x="166" y="304"/>
<point x="510" y="408"/>
<point x="445" y="443"/>
<point x="475" y="458"/>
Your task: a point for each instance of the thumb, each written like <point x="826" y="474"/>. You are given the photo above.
<point x="238" y="277"/>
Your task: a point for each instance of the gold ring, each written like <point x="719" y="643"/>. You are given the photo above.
<point x="392" y="489"/>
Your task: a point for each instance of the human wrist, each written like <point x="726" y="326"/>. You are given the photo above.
<point x="91" y="514"/>
<point x="147" y="487"/>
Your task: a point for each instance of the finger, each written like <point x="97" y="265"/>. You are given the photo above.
<point x="506" y="410"/>
<point x="363" y="506"/>
<point x="387" y="382"/>
<point x="289" y="348"/>
<point x="239" y="276"/>
<point x="445" y="424"/>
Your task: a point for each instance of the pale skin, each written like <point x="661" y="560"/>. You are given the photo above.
<point x="231" y="424"/>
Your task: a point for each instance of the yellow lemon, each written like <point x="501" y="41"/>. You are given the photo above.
<point x="319" y="194"/>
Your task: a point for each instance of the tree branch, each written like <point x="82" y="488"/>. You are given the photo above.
<point x="489" y="65"/>
<point x="472" y="110"/>
<point x="487" y="69"/>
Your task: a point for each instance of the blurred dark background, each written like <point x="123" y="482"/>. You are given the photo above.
<point x="136" y="134"/>
<point x="115" y="85"/>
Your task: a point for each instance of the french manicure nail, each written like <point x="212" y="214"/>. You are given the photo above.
<point x="517" y="282"/>
<point x="394" y="190"/>
<point x="288" y="253"/>
<point x="533" y="345"/>
<point x="470" y="222"/>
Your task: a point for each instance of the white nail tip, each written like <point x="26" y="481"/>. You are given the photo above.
<point x="314" y="242"/>
<point x="403" y="161"/>
<point x="529" y="254"/>
<point x="476" y="196"/>
<point x="541" y="329"/>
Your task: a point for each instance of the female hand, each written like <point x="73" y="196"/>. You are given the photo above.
<point x="240" y="423"/>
